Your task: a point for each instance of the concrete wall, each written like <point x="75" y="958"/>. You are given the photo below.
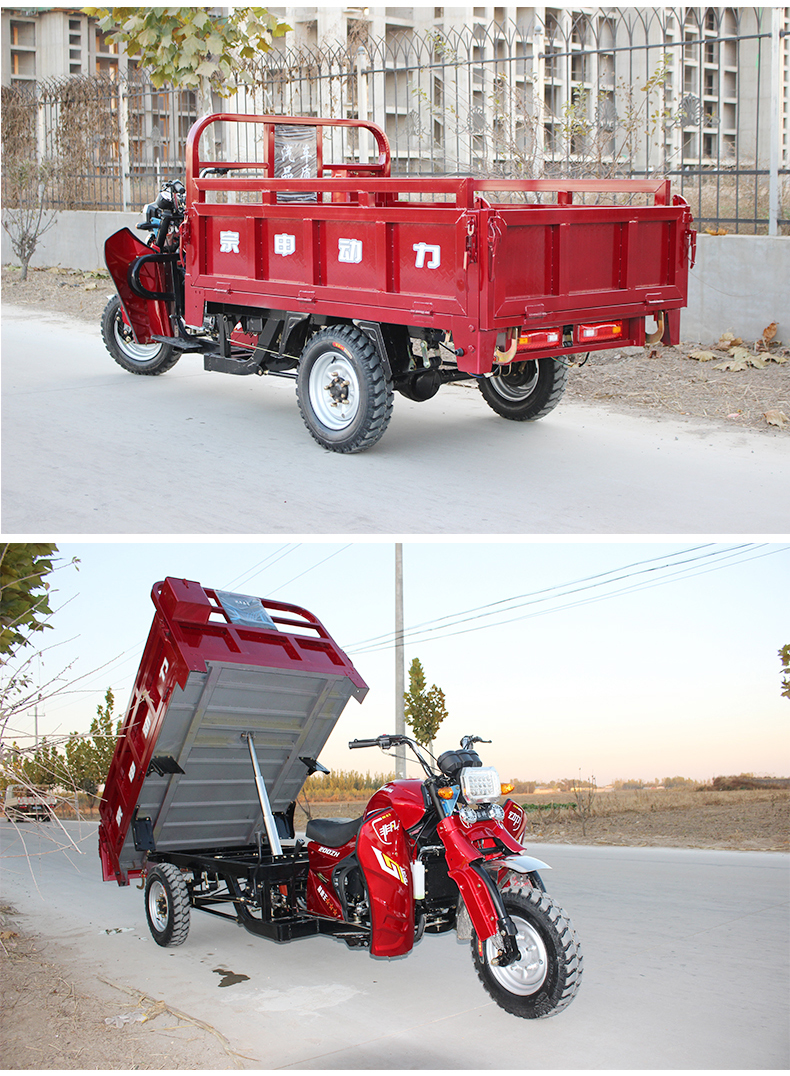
<point x="739" y="283"/>
<point x="76" y="241"/>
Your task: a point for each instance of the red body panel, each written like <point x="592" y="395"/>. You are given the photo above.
<point x="147" y="317"/>
<point x="515" y="820"/>
<point x="321" y="896"/>
<point x="384" y="858"/>
<point x="365" y="249"/>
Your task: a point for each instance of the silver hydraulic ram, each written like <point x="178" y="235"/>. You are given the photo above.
<point x="263" y="797"/>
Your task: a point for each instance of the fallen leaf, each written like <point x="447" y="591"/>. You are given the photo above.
<point x="716" y="231"/>
<point x="91" y="287"/>
<point x="702" y="356"/>
<point x="769" y="332"/>
<point x="775" y="417"/>
<point x="5" y="935"/>
<point x="732" y="364"/>
<point x="728" y="340"/>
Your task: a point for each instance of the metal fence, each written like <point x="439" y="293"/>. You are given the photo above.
<point x="697" y="95"/>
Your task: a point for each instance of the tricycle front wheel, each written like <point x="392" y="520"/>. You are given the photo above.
<point x="524" y="391"/>
<point x="546" y="975"/>
<point x="344" y="391"/>
<point x="137" y="358"/>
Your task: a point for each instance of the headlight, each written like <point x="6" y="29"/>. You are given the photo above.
<point x="480" y="784"/>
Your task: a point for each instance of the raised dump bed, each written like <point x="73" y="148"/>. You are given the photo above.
<point x="232" y="694"/>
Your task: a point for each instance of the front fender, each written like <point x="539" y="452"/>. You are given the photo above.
<point x="520" y="864"/>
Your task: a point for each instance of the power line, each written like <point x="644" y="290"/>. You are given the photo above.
<point x="430" y="631"/>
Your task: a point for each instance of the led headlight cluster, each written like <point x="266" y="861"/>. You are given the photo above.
<point x="480" y="784"/>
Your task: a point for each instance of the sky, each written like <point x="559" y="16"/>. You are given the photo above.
<point x="593" y="658"/>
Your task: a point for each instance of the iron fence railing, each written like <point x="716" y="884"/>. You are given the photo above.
<point x="687" y="93"/>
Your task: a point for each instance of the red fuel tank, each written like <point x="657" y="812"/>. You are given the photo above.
<point x="405" y="797"/>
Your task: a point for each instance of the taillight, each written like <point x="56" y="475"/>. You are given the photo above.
<point x="606" y="330"/>
<point x="540" y="340"/>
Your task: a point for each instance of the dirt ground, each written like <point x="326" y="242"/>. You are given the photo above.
<point x="659" y="379"/>
<point x="48" y="1021"/>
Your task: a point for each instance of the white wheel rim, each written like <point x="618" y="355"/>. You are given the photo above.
<point x="334" y="391"/>
<point x="508" y="391"/>
<point x="129" y="346"/>
<point x="158" y="905"/>
<point x="527" y="974"/>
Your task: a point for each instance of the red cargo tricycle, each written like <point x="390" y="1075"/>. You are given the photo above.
<point x="233" y="701"/>
<point x="357" y="284"/>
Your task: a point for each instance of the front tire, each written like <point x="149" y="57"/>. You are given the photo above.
<point x="147" y="359"/>
<point x="524" y="391"/>
<point x="546" y="976"/>
<point x="167" y="905"/>
<point x="343" y="389"/>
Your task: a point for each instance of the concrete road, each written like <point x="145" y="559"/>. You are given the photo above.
<point x="88" y="448"/>
<point x="685" y="967"/>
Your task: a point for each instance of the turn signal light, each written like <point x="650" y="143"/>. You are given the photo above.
<point x="543" y="338"/>
<point x="445" y="793"/>
<point x="507" y="786"/>
<point x="606" y="330"/>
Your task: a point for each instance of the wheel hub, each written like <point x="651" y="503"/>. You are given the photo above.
<point x="338" y="390"/>
<point x="526" y="974"/>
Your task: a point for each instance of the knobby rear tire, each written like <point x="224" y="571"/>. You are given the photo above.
<point x="146" y="359"/>
<point x="525" y="391"/>
<point x="167" y="905"/>
<point x="547" y="975"/>
<point x="343" y="389"/>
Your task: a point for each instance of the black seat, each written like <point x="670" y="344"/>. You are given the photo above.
<point x="333" y="832"/>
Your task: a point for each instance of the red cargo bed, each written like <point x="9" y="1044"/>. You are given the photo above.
<point x="430" y="251"/>
<point x="216" y="668"/>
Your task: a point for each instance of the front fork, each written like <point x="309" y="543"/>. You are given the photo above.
<point x="479" y="891"/>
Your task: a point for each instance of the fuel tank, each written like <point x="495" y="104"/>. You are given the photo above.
<point x="405" y="797"/>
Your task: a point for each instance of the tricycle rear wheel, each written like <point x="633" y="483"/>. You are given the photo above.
<point x="343" y="389"/>
<point x="167" y="905"/>
<point x="524" y="391"/>
<point x="150" y="359"/>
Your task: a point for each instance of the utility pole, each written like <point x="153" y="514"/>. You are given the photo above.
<point x="400" y="678"/>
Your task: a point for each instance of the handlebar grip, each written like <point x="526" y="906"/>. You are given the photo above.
<point x="363" y="743"/>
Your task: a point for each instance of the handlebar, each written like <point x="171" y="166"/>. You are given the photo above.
<point x="384" y="742"/>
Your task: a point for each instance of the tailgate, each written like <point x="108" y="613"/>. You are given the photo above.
<point x="555" y="264"/>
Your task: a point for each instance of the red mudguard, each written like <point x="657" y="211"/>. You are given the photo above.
<point x="147" y="317"/>
<point x="464" y="867"/>
<point x="384" y="858"/>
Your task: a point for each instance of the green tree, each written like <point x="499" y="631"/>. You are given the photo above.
<point x="193" y="46"/>
<point x="105" y="731"/>
<point x="24" y="591"/>
<point x="424" y="710"/>
<point x="784" y="657"/>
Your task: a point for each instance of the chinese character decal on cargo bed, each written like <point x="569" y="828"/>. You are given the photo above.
<point x="421" y="249"/>
<point x="229" y="242"/>
<point x="349" y="250"/>
<point x="284" y="244"/>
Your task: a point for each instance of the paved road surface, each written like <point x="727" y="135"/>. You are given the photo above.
<point x="685" y="967"/>
<point x="90" y="449"/>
